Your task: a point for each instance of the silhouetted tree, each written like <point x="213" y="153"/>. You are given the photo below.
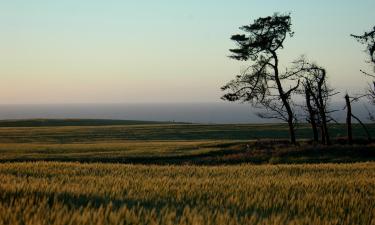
<point x="312" y="112"/>
<point x="350" y="115"/>
<point x="368" y="39"/>
<point x="261" y="84"/>
<point x="317" y="96"/>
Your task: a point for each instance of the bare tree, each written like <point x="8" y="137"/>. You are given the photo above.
<point x="312" y="112"/>
<point x="317" y="96"/>
<point x="261" y="84"/>
<point x="350" y="115"/>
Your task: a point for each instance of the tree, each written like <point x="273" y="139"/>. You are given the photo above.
<point x="318" y="90"/>
<point x="350" y="115"/>
<point x="368" y="39"/>
<point x="261" y="84"/>
<point x="317" y="96"/>
<point x="312" y="112"/>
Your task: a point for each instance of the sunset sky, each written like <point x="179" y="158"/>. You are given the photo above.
<point x="95" y="51"/>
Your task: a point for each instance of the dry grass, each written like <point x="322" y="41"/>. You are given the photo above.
<point x="111" y="151"/>
<point x="73" y="193"/>
<point x="186" y="152"/>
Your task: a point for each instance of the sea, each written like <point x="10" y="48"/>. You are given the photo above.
<point x="207" y="113"/>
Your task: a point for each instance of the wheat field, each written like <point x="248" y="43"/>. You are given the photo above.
<point x="75" y="193"/>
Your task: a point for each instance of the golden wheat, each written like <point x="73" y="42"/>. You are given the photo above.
<point x="73" y="193"/>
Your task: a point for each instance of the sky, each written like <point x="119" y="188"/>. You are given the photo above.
<point x="122" y="51"/>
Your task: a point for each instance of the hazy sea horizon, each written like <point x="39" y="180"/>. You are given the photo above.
<point x="218" y="113"/>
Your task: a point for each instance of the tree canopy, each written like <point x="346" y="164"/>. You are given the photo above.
<point x="264" y="36"/>
<point x="261" y="83"/>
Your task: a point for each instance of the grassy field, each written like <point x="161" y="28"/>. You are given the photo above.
<point x="149" y="173"/>
<point x="167" y="143"/>
<point x="18" y="133"/>
<point x="185" y="152"/>
<point x="73" y="193"/>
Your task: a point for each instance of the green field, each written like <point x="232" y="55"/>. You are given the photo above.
<point x="161" y="173"/>
<point x="168" y="143"/>
<point x="33" y="131"/>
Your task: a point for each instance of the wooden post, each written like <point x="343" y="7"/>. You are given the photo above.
<point x="349" y="119"/>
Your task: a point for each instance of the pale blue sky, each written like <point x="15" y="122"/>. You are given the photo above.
<point x="161" y="51"/>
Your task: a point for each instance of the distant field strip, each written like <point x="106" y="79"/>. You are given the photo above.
<point x="113" y="151"/>
<point x="73" y="193"/>
<point x="185" y="152"/>
<point x="73" y="122"/>
<point x="171" y="132"/>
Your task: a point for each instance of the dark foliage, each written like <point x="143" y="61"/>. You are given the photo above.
<point x="261" y="84"/>
<point x="368" y="39"/>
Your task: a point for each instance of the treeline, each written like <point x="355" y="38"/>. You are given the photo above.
<point x="274" y="91"/>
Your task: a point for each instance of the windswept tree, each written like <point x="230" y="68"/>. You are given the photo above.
<point x="368" y="39"/>
<point x="317" y="96"/>
<point x="262" y="84"/>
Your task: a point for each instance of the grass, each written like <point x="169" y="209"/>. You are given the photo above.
<point x="171" y="144"/>
<point x="111" y="151"/>
<point x="165" y="132"/>
<point x="73" y="193"/>
<point x="161" y="173"/>
<point x="186" y="152"/>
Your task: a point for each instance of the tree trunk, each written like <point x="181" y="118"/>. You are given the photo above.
<point x="284" y="99"/>
<point x="322" y="109"/>
<point x="314" y="129"/>
<point x="311" y="115"/>
<point x="322" y="117"/>
<point x="349" y="120"/>
<point x="291" y="130"/>
<point x="323" y="134"/>
<point x="290" y="120"/>
<point x="325" y="127"/>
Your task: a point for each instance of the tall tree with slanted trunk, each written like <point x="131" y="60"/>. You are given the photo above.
<point x="262" y="83"/>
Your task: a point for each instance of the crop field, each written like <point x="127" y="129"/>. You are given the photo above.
<point x="33" y="132"/>
<point x="150" y="143"/>
<point x="112" y="151"/>
<point x="148" y="173"/>
<point x="73" y="193"/>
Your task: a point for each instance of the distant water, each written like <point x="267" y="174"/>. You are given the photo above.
<point x="178" y="112"/>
